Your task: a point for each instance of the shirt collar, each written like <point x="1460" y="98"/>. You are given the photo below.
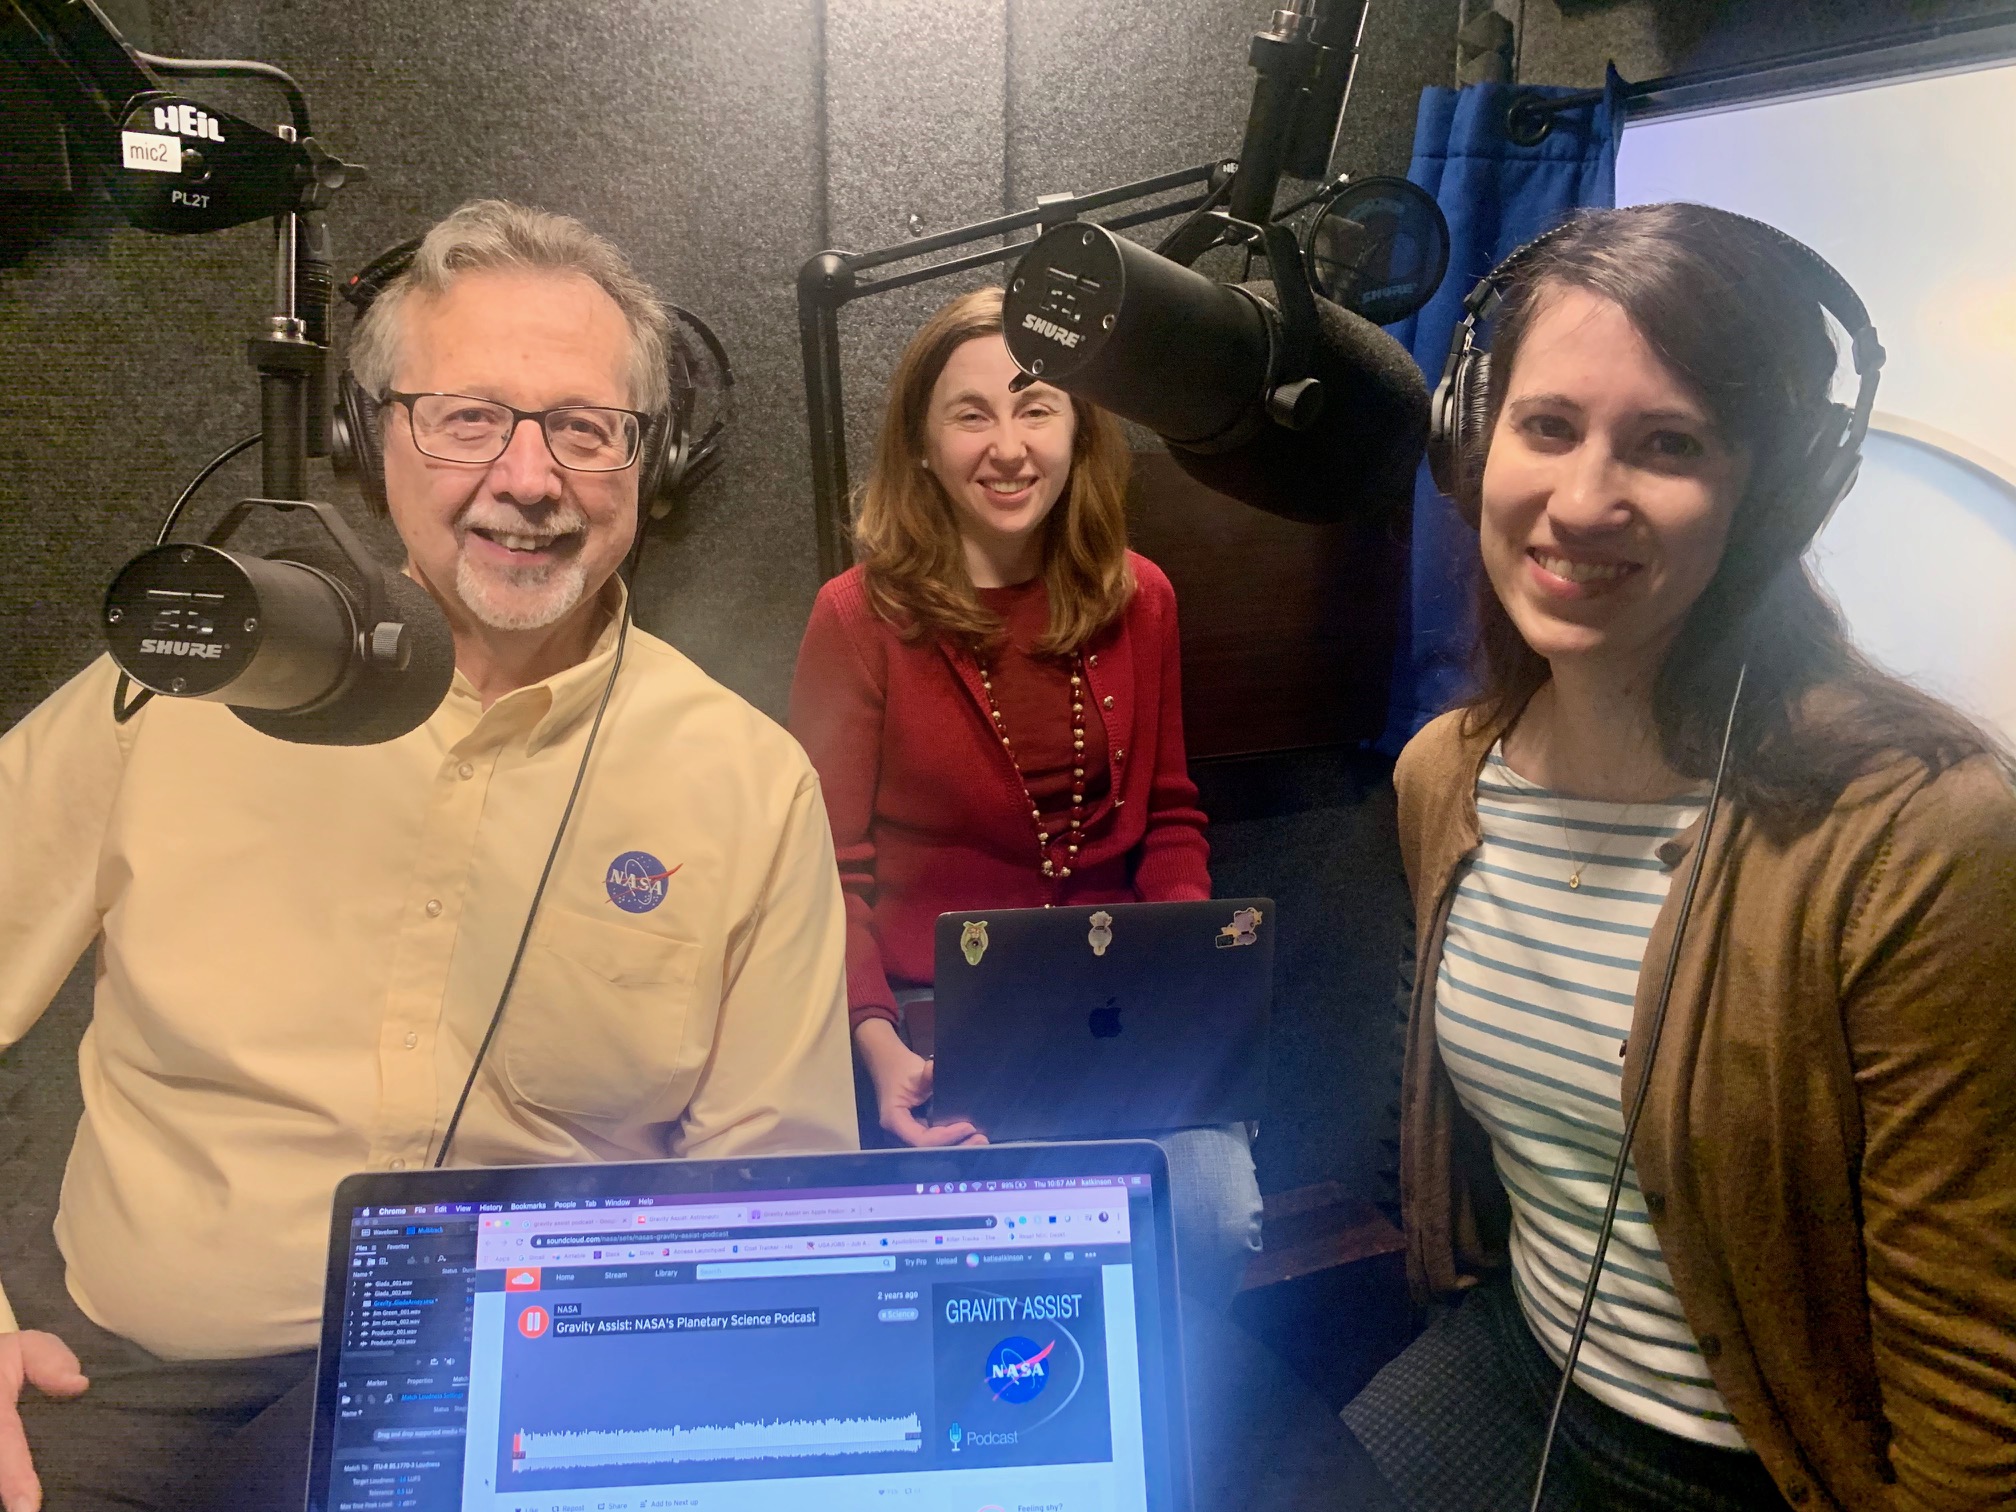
<point x="549" y="709"/>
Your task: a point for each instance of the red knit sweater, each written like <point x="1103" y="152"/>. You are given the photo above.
<point x="928" y="811"/>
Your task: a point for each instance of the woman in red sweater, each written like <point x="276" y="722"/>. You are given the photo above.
<point x="992" y="700"/>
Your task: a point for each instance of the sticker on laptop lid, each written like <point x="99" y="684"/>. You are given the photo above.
<point x="973" y="940"/>
<point x="1101" y="933"/>
<point x="1243" y="930"/>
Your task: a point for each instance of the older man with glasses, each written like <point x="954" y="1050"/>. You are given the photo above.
<point x="302" y="948"/>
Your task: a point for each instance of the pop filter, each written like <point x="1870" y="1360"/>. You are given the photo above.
<point x="1379" y="248"/>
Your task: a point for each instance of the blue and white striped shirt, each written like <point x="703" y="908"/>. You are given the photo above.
<point x="1532" y="1009"/>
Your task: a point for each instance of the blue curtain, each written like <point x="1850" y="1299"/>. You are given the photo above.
<point x="1497" y="195"/>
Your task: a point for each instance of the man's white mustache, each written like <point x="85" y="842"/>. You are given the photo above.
<point x="559" y="523"/>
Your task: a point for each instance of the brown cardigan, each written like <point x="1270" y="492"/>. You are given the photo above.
<point x="1828" y="1150"/>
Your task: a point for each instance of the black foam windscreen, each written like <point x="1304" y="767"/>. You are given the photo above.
<point x="1357" y="460"/>
<point x="380" y="702"/>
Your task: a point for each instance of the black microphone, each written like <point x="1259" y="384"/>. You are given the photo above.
<point x="317" y="645"/>
<point x="1357" y="460"/>
<point x="1203" y="365"/>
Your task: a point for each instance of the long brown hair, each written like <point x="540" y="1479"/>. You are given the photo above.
<point x="1735" y="315"/>
<point x="908" y="538"/>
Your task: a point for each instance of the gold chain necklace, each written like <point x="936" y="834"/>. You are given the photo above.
<point x="1581" y="861"/>
<point x="1077" y="816"/>
<point x="1584" y="862"/>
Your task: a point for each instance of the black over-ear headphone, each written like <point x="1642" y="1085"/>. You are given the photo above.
<point x="1459" y="412"/>
<point x="672" y="457"/>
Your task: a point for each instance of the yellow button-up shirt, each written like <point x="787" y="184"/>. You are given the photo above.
<point x="299" y="948"/>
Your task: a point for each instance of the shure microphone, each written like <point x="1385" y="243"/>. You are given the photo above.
<point x="316" y="645"/>
<point x="1199" y="363"/>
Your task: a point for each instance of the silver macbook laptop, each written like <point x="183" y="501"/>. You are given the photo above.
<point x="1062" y="1023"/>
<point x="938" y="1331"/>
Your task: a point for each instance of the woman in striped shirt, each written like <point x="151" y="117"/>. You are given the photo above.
<point x="1809" y="1293"/>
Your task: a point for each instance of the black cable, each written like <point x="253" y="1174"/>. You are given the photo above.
<point x="175" y="510"/>
<point x="552" y="851"/>
<point x="1327" y="190"/>
<point x="1656" y="1027"/>
<point x="234" y="68"/>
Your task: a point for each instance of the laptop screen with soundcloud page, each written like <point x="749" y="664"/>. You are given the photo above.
<point x="936" y="1330"/>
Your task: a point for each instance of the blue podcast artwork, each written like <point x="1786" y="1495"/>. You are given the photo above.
<point x="636" y="881"/>
<point x="1020" y="1366"/>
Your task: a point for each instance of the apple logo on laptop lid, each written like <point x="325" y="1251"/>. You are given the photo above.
<point x="1104" y="1022"/>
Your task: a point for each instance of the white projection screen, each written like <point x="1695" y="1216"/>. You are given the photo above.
<point x="1907" y="188"/>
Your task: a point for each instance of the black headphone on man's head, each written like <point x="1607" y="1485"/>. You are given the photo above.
<point x="1460" y="410"/>
<point x="671" y="458"/>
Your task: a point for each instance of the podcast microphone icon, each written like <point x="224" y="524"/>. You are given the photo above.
<point x="956" y="1434"/>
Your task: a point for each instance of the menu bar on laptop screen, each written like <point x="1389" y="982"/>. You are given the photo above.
<point x="792" y="1225"/>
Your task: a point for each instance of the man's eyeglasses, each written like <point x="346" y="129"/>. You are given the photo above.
<point x="581" y="437"/>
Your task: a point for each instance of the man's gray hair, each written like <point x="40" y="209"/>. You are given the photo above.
<point x="498" y="234"/>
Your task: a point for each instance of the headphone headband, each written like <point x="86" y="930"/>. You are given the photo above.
<point x="369" y="281"/>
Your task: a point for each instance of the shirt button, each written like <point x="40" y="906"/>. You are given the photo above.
<point x="1710" y="1346"/>
<point x="1121" y="754"/>
<point x="1091" y="661"/>
<point x="1797" y="1492"/>
<point x="412" y="1040"/>
<point x="1106" y="702"/>
<point x="433" y="908"/>
<point x="1655" y="1204"/>
<point x="465" y="771"/>
<point x="396" y="1165"/>
<point x="1670" y="852"/>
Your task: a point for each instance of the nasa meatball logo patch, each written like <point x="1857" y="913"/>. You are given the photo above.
<point x="636" y="881"/>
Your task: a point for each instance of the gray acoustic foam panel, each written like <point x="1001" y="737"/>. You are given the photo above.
<point x="1102" y="94"/>
<point x="1125" y="89"/>
<point x="1409" y="45"/>
<point x="1570" y="46"/>
<point x="915" y="121"/>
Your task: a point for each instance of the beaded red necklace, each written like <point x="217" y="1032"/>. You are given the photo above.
<point x="1077" y="817"/>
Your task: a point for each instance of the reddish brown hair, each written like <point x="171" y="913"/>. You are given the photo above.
<point x="907" y="537"/>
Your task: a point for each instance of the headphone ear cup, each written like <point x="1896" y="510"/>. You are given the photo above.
<point x="1819" y="478"/>
<point x="664" y="456"/>
<point x="1457" y="417"/>
<point x="1442" y="431"/>
<point x="353" y="442"/>
<point x="1831" y="465"/>
<point x="1473" y="435"/>
<point x="668" y="445"/>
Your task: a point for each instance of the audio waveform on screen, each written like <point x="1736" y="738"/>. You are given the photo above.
<point x="757" y="1440"/>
